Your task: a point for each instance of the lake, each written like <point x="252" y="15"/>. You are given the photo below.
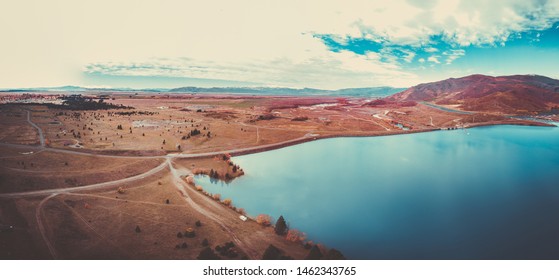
<point x="481" y="193"/>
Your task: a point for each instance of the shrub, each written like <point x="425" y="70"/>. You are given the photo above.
<point x="227" y="202"/>
<point x="294" y="235"/>
<point x="208" y="254"/>
<point x="263" y="219"/>
<point x="199" y="188"/>
<point x="300" y="119"/>
<point x="190" y="180"/>
<point x="198" y="223"/>
<point x="189" y="233"/>
<point x="216" y="196"/>
<point x="138" y="230"/>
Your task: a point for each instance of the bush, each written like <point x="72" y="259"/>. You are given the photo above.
<point x="189" y="233"/>
<point x="190" y="180"/>
<point x="208" y="254"/>
<point x="264" y="220"/>
<point x="216" y="197"/>
<point x="300" y="119"/>
<point x="199" y="188"/>
<point x="227" y="202"/>
<point x="294" y="235"/>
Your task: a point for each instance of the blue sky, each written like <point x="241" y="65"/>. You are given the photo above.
<point x="531" y="51"/>
<point x="288" y="43"/>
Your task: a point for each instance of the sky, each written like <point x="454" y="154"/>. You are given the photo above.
<point x="287" y="43"/>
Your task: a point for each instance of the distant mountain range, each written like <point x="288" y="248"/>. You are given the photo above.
<point x="351" y="92"/>
<point x="80" y="89"/>
<point x="354" y="92"/>
<point x="518" y="94"/>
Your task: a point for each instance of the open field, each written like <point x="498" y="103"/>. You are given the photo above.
<point x="114" y="183"/>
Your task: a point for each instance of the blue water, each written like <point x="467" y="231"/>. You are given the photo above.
<point x="481" y="193"/>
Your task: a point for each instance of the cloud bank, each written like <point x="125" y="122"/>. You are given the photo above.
<point x="323" y="44"/>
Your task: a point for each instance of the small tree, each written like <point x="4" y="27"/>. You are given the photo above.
<point x="281" y="226"/>
<point x="314" y="254"/>
<point x="263" y="219"/>
<point x="271" y="253"/>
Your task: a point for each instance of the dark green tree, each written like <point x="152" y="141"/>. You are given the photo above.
<point x="281" y="226"/>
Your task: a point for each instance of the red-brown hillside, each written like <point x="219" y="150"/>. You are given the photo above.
<point x="519" y="94"/>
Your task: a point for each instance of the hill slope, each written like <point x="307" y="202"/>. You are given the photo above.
<point x="518" y="94"/>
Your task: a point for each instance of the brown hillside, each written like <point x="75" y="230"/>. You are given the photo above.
<point x="519" y="94"/>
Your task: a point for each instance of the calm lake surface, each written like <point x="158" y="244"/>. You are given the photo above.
<point x="481" y="193"/>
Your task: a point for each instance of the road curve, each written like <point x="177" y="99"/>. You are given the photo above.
<point x="87" y="187"/>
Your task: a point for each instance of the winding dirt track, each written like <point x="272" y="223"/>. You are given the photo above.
<point x="39" y="130"/>
<point x="87" y="187"/>
<point x="41" y="226"/>
<point x="214" y="216"/>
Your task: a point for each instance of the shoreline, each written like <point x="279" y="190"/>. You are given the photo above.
<point x="275" y="146"/>
<point x="261" y="148"/>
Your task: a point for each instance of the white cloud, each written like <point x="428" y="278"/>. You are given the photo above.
<point x="434" y="59"/>
<point x="409" y="56"/>
<point x="431" y="50"/>
<point x="50" y="42"/>
<point x="454" y="54"/>
<point x="344" y="68"/>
